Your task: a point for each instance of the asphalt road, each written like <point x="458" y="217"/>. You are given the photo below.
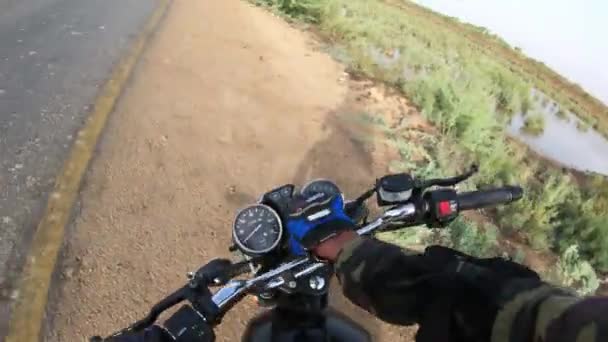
<point x="54" y="56"/>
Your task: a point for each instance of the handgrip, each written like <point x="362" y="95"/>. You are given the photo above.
<point x="486" y="198"/>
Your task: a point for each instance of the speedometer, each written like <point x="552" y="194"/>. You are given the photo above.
<point x="324" y="186"/>
<point x="257" y="229"/>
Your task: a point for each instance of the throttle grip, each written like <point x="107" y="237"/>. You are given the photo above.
<point x="485" y="198"/>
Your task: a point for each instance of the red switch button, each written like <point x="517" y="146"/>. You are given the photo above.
<point x="445" y="209"/>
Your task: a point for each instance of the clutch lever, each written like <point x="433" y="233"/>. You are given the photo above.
<point x="160" y="307"/>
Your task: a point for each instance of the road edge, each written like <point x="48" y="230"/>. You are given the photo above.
<point x="28" y="310"/>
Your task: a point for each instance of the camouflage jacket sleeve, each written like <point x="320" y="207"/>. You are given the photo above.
<point x="550" y="314"/>
<point x="383" y="279"/>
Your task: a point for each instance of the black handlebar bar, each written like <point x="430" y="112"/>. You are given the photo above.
<point x="485" y="198"/>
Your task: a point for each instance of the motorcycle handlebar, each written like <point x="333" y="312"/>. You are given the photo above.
<point x="229" y="294"/>
<point x="485" y="198"/>
<point x="466" y="201"/>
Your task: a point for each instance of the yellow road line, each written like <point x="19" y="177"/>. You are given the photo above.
<point x="29" y="308"/>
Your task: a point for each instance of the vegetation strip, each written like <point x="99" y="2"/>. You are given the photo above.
<point x="574" y="98"/>
<point x="29" y="308"/>
<point x="470" y="97"/>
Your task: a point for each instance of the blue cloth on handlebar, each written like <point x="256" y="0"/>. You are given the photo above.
<point x="317" y="216"/>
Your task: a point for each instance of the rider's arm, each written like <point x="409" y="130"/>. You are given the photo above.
<point x="375" y="276"/>
<point x="543" y="315"/>
<point x="384" y="279"/>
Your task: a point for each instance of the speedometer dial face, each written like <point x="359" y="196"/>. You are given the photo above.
<point x="324" y="186"/>
<point x="257" y="229"/>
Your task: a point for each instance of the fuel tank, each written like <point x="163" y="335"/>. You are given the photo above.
<point x="279" y="325"/>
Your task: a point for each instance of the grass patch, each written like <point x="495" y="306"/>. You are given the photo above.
<point x="534" y="124"/>
<point x="566" y="93"/>
<point x="562" y="115"/>
<point x="372" y="119"/>
<point x="462" y="234"/>
<point x="581" y="126"/>
<point x="574" y="272"/>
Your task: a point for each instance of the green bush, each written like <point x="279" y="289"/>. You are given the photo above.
<point x="526" y="104"/>
<point x="538" y="213"/>
<point x="466" y="236"/>
<point x="582" y="126"/>
<point x="574" y="272"/>
<point x="519" y="256"/>
<point x="561" y="114"/>
<point x="534" y="124"/>
<point x="585" y="222"/>
<point x="512" y="95"/>
<point x="462" y="235"/>
<point x="413" y="238"/>
<point x="307" y="10"/>
<point x="545" y="102"/>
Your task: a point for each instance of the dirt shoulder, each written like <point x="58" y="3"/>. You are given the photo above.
<point x="228" y="102"/>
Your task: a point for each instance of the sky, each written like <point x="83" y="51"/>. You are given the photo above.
<point x="570" y="36"/>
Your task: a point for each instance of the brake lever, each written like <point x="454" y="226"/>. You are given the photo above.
<point x="451" y="181"/>
<point x="365" y="196"/>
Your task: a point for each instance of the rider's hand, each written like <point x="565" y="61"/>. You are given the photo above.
<point x="330" y="248"/>
<point x="315" y="219"/>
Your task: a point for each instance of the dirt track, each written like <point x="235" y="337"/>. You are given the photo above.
<point x="228" y="101"/>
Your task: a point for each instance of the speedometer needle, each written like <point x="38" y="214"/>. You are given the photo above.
<point x="253" y="232"/>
